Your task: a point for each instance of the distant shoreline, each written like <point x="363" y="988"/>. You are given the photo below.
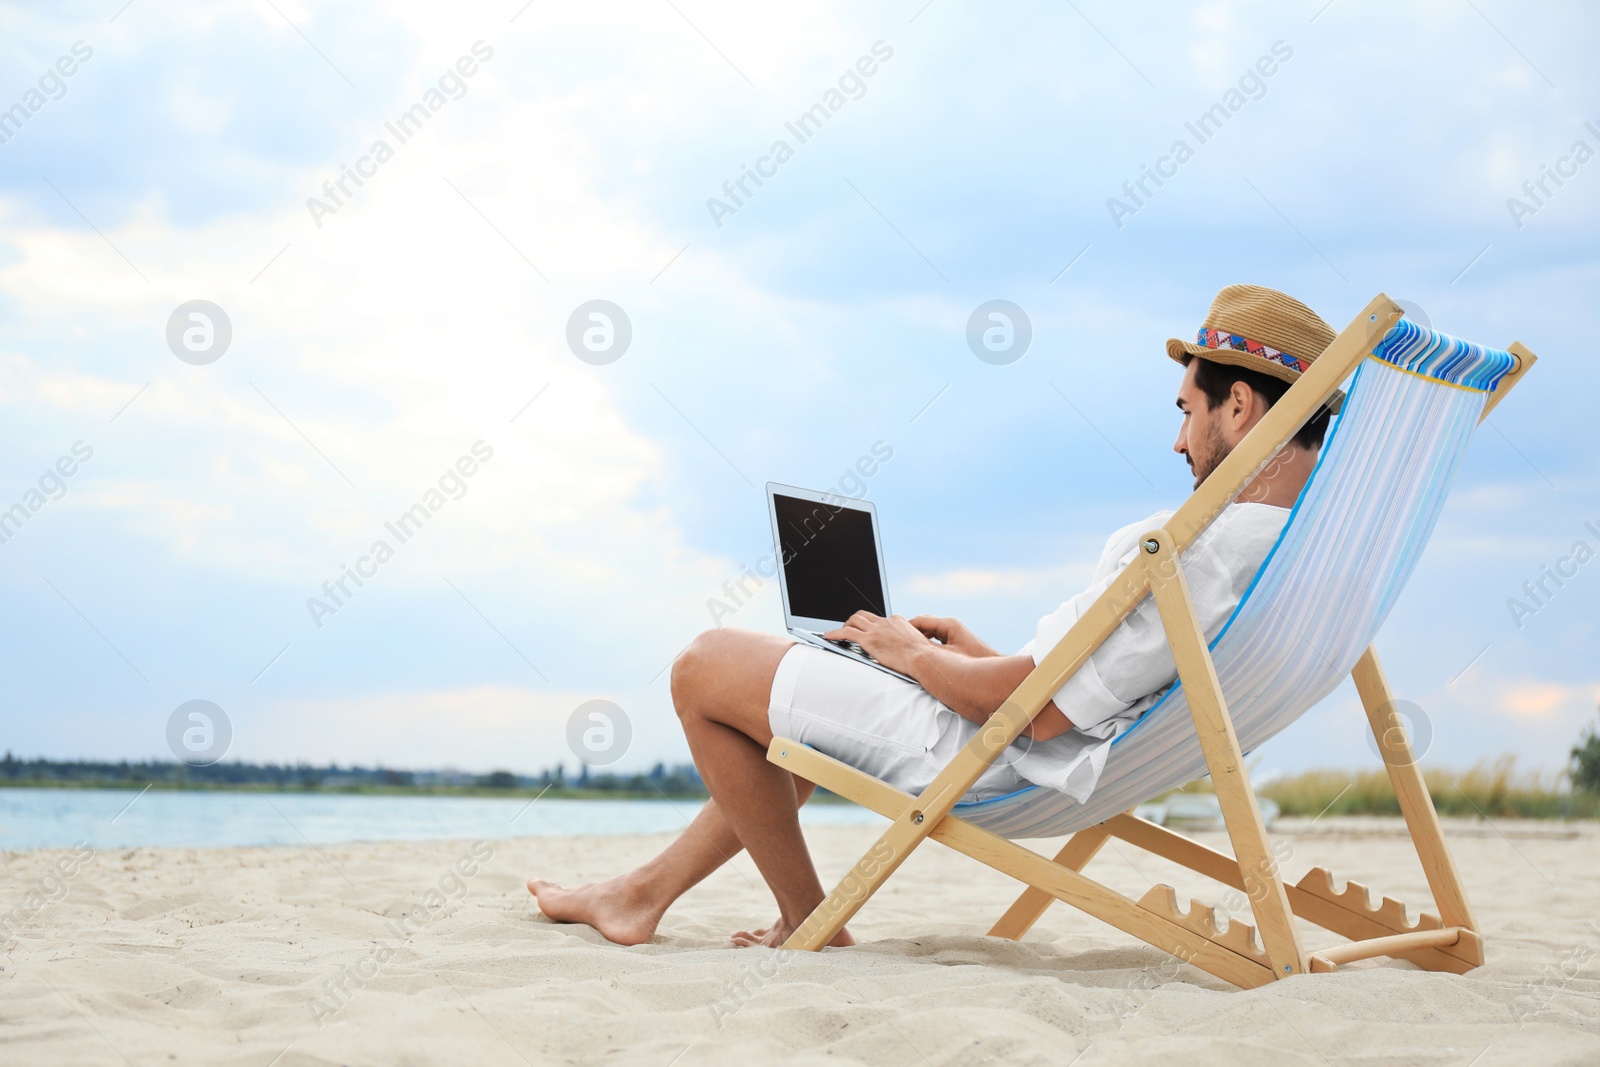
<point x="821" y="796"/>
<point x="1487" y="791"/>
<point x="660" y="781"/>
<point x="511" y="793"/>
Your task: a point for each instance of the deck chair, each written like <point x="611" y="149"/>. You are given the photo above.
<point x="1306" y="622"/>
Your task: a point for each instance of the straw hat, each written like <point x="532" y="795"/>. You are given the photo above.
<point x="1262" y="330"/>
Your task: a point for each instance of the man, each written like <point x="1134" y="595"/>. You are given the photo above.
<point x="734" y="689"/>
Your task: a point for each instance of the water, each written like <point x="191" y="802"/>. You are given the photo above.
<point x="114" y="818"/>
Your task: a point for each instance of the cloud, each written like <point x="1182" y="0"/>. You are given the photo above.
<point x="477" y="728"/>
<point x="1540" y="700"/>
<point x="972" y="581"/>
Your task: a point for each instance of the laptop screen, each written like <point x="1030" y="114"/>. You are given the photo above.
<point x="830" y="559"/>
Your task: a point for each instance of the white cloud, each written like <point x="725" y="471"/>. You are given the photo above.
<point x="476" y="729"/>
<point x="974" y="581"/>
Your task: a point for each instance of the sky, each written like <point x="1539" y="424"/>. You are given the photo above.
<point x="389" y="336"/>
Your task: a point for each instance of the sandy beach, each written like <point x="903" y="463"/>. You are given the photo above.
<point x="434" y="953"/>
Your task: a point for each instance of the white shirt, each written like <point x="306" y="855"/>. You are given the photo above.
<point x="1134" y="667"/>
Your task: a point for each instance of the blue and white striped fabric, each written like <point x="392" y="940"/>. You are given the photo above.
<point x="1327" y="585"/>
<point x="1443" y="358"/>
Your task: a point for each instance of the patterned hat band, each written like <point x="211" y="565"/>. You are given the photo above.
<point x="1209" y="338"/>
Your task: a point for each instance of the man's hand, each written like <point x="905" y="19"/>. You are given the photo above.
<point x="952" y="634"/>
<point x="893" y="642"/>
<point x="962" y="673"/>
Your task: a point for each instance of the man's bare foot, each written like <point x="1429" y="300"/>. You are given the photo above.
<point x="620" y="909"/>
<point x="775" y="935"/>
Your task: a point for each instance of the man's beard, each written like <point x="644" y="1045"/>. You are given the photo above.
<point x="1213" y="450"/>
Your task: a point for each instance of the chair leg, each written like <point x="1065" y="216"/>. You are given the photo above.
<point x="914" y="822"/>
<point x="1422" y="819"/>
<point x="864" y="879"/>
<point x="1080" y="848"/>
<point x="1264" y="885"/>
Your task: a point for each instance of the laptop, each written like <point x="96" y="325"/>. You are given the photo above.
<point x="830" y="565"/>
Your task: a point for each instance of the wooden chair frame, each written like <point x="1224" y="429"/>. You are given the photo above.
<point x="1448" y="942"/>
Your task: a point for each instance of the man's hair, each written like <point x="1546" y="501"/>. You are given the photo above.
<point x="1216" y="380"/>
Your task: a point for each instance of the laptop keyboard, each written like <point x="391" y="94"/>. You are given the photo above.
<point x="852" y="648"/>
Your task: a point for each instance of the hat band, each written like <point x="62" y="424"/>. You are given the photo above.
<point x="1209" y="338"/>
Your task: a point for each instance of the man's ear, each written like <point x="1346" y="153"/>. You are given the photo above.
<point x="1242" y="398"/>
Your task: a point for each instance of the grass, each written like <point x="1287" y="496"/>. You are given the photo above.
<point x="1492" y="789"/>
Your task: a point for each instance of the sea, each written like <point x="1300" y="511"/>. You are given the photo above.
<point x="114" y="818"/>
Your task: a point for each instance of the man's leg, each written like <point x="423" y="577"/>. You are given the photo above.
<point x="626" y="909"/>
<point x="721" y="686"/>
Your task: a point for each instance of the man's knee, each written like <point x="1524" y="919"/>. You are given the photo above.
<point x="697" y="667"/>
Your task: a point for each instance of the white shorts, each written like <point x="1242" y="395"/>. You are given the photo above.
<point x="892" y="729"/>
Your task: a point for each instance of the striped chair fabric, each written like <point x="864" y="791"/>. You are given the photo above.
<point x="1326" y="587"/>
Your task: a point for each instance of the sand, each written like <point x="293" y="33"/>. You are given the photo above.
<point x="432" y="952"/>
